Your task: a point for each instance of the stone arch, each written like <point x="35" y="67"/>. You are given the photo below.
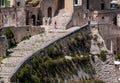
<point x="49" y="12"/>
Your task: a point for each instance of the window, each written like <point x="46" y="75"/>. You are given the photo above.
<point x="2" y="2"/>
<point x="115" y="20"/>
<point x="102" y="6"/>
<point x="76" y="1"/>
<point x="87" y="4"/>
<point x="102" y="17"/>
<point x="18" y="3"/>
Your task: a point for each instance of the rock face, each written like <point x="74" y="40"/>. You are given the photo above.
<point x="106" y="70"/>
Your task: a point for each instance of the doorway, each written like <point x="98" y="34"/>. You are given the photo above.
<point x="34" y="19"/>
<point x="61" y="4"/>
<point x="49" y="12"/>
<point x="87" y="4"/>
<point x="115" y="21"/>
<point x="102" y="6"/>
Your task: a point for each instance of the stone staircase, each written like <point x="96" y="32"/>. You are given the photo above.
<point x="62" y="19"/>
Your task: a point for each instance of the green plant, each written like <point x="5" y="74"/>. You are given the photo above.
<point x="42" y="50"/>
<point x="11" y="38"/>
<point x="9" y="34"/>
<point x="95" y="37"/>
<point x="117" y="57"/>
<point x="25" y="37"/>
<point x="27" y="28"/>
<point x="103" y="54"/>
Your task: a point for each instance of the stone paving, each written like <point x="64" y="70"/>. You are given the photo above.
<point x="26" y="48"/>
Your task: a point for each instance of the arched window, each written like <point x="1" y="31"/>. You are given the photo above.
<point x="34" y="19"/>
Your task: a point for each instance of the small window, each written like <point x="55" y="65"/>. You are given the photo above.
<point x="115" y="20"/>
<point x="2" y="2"/>
<point x="76" y="1"/>
<point x="102" y="17"/>
<point x="18" y="3"/>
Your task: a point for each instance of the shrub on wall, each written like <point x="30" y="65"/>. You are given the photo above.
<point x="117" y="57"/>
<point x="11" y="38"/>
<point x="103" y="54"/>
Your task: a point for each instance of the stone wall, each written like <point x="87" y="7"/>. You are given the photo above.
<point x="111" y="33"/>
<point x="78" y="18"/>
<point x="45" y="4"/>
<point x="21" y="32"/>
<point x="3" y="46"/>
<point x="13" y="16"/>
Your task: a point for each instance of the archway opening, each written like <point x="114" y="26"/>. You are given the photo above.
<point x="34" y="19"/>
<point x="115" y="21"/>
<point x="27" y="17"/>
<point x="49" y="10"/>
<point x="102" y="6"/>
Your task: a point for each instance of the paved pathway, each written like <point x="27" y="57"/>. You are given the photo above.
<point x="26" y="48"/>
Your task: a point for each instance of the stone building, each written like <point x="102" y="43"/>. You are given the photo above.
<point x="107" y="19"/>
<point x="29" y="12"/>
<point x="96" y="4"/>
<point x="66" y="13"/>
